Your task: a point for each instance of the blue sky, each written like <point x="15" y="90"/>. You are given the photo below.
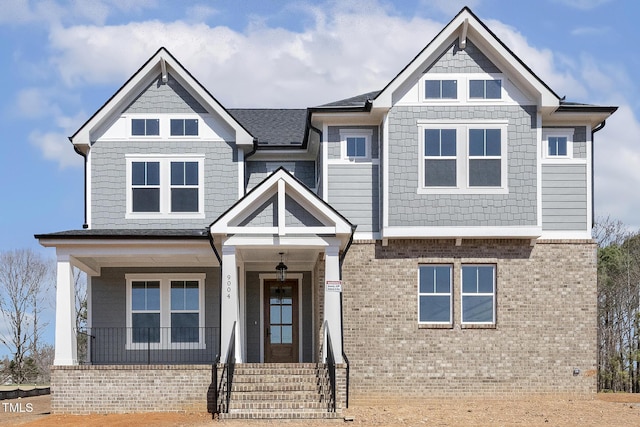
<point x="61" y="60"/>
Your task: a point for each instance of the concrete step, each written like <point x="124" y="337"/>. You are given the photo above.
<point x="237" y="406"/>
<point x="281" y="414"/>
<point x="306" y="396"/>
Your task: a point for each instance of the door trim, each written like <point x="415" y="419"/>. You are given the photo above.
<point x="272" y="276"/>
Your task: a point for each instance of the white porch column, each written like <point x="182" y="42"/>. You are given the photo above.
<point x="230" y="304"/>
<point x="66" y="349"/>
<point x="332" y="309"/>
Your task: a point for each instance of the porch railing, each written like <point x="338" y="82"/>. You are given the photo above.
<point x="226" y="380"/>
<point x="330" y="362"/>
<point x="152" y="345"/>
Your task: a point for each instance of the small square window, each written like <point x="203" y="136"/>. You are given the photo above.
<point x="557" y="145"/>
<point x="356" y="147"/>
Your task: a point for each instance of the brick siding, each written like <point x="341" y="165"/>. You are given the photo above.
<point x="545" y="321"/>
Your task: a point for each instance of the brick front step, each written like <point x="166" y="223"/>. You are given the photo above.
<point x="278" y="391"/>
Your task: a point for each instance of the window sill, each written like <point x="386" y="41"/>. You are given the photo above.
<point x="479" y="326"/>
<point x="435" y="325"/>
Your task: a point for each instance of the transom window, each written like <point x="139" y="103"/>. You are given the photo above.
<point x="184" y="127"/>
<point x="441" y="89"/>
<point x="485" y="89"/>
<point x="165" y="311"/>
<point x="440" y="157"/>
<point x="165" y="186"/>
<point x="485" y="168"/>
<point x="145" y="127"/>
<point x="478" y="294"/>
<point x="434" y="294"/>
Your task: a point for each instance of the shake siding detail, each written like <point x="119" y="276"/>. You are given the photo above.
<point x="108" y="180"/>
<point x="171" y="97"/>
<point x="564" y="197"/>
<point x="354" y="192"/>
<point x="407" y="208"/>
<point x="467" y="60"/>
<point x="258" y="170"/>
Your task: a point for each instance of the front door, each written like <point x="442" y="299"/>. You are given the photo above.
<point x="281" y="321"/>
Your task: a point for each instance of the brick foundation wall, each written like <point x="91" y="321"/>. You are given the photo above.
<point x="545" y="321"/>
<point x="125" y="389"/>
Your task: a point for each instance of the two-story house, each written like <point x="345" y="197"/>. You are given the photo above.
<point x="430" y="238"/>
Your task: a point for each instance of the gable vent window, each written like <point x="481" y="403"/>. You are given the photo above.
<point x="184" y="127"/>
<point x="441" y="89"/>
<point x="485" y="89"/>
<point x="145" y="127"/>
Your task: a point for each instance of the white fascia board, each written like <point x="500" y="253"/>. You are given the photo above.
<point x="530" y="232"/>
<point x="268" y="242"/>
<point x="122" y="247"/>
<point x="490" y="46"/>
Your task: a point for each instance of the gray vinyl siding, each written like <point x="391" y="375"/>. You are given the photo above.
<point x="517" y="208"/>
<point x="564" y="197"/>
<point x="253" y="320"/>
<point x="467" y="60"/>
<point x="303" y="170"/>
<point x="109" y="306"/>
<point x="165" y="98"/>
<point x="109" y="188"/>
<point x="333" y="145"/>
<point x="297" y="216"/>
<point x="354" y="191"/>
<point x="266" y="215"/>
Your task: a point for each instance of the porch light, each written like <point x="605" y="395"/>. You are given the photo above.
<point x="281" y="269"/>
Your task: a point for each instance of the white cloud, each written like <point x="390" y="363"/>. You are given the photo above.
<point x="583" y="4"/>
<point x="200" y="13"/>
<point x="34" y="103"/>
<point x="590" y="31"/>
<point x="55" y="146"/>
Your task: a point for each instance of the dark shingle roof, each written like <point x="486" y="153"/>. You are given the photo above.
<point x="273" y="127"/>
<point x="354" y="101"/>
<point x="127" y="233"/>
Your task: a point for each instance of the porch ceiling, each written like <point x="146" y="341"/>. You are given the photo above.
<point x="267" y="258"/>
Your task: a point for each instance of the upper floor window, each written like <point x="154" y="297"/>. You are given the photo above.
<point x="463" y="157"/>
<point x="485" y="89"/>
<point x="478" y="294"/>
<point x="557" y="143"/>
<point x="184" y="127"/>
<point x="441" y="89"/>
<point x="440" y="158"/>
<point x="142" y="127"/>
<point x="434" y="294"/>
<point x="485" y="160"/>
<point x="164" y="185"/>
<point x="356" y="145"/>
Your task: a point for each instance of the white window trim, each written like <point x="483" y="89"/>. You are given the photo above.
<point x="367" y="134"/>
<point x="165" y="186"/>
<point x="558" y="132"/>
<point x="164" y="123"/>
<point x="462" y="156"/>
<point x="450" y="294"/>
<point x="165" y="310"/>
<point x="463" y="88"/>
<point x="493" y="294"/>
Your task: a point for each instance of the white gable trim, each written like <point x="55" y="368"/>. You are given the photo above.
<point x="282" y="184"/>
<point x="466" y="26"/>
<point x="159" y="64"/>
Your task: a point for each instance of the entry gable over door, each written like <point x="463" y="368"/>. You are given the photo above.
<point x="281" y="206"/>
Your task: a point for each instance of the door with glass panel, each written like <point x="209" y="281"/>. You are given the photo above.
<point x="281" y="321"/>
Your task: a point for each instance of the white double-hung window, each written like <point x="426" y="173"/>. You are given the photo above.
<point x="165" y="311"/>
<point x="435" y="302"/>
<point x="463" y="158"/>
<point x="165" y="186"/>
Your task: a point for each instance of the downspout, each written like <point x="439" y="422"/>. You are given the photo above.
<point x="217" y="359"/>
<point x="344" y="356"/>
<point x="593" y="204"/>
<point x="77" y="150"/>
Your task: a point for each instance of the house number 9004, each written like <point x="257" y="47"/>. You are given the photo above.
<point x="228" y="286"/>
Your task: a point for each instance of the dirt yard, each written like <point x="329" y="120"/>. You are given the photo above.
<point x="604" y="410"/>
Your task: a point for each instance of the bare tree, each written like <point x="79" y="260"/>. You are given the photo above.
<point x="25" y="277"/>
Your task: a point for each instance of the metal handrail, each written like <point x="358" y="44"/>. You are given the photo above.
<point x="229" y="367"/>
<point x="331" y="366"/>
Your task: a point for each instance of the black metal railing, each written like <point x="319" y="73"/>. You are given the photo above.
<point x="331" y="368"/>
<point x="346" y="361"/>
<point x="153" y="345"/>
<point x="228" y="370"/>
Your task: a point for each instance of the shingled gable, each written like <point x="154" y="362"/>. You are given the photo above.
<point x="282" y="185"/>
<point x="467" y="25"/>
<point x="161" y="63"/>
